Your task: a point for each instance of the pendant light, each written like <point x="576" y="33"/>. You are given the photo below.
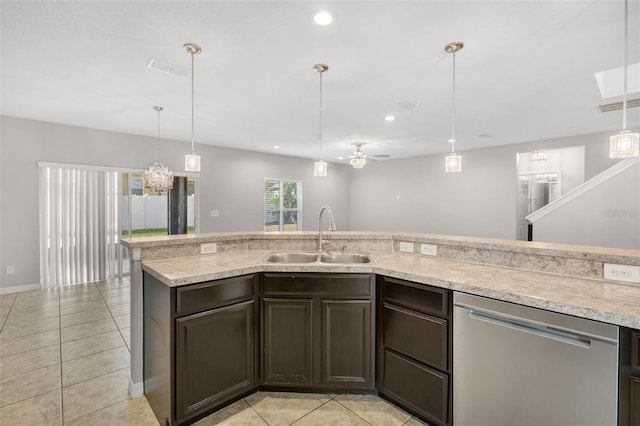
<point x="538" y="155"/>
<point x="192" y="160"/>
<point x="453" y="161"/>
<point x="158" y="177"/>
<point x="320" y="166"/>
<point x="625" y="144"/>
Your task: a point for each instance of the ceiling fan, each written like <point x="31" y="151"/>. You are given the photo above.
<point x="359" y="158"/>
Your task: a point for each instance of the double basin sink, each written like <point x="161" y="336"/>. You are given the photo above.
<point x="319" y="257"/>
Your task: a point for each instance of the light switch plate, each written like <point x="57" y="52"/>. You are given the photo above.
<point x="208" y="248"/>
<point x="627" y="273"/>
<point x="215" y="213"/>
<point x="406" y="247"/>
<point x="429" y="249"/>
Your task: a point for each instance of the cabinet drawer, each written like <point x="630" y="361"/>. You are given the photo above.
<point x="333" y="285"/>
<point x="416" y="386"/>
<point x="213" y="294"/>
<point x="416" y="296"/>
<point x="417" y="335"/>
<point x="635" y="351"/>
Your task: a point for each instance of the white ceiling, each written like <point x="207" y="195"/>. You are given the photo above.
<point x="526" y="71"/>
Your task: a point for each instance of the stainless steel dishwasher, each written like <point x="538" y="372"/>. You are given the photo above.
<point x="519" y="366"/>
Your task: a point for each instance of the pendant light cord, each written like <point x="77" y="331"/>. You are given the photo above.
<point x="320" y="121"/>
<point x="453" y="106"/>
<point x="192" y="103"/>
<point x="626" y="61"/>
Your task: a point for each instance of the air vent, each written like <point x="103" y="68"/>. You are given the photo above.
<point x="167" y="68"/>
<point x="408" y="104"/>
<point x="617" y="106"/>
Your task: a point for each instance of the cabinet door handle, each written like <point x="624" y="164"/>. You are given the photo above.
<point x="527" y="327"/>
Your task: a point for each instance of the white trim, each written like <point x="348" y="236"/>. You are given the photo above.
<point x="135" y="389"/>
<point x="584" y="188"/>
<point x="19" y="288"/>
<point x="105" y="168"/>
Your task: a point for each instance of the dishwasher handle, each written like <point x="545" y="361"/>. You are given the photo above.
<point x="528" y="327"/>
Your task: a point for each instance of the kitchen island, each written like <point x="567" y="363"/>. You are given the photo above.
<point x="558" y="278"/>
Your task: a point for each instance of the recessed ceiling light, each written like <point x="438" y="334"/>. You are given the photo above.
<point x="390" y="118"/>
<point x="340" y="158"/>
<point x="276" y="147"/>
<point x="323" y="17"/>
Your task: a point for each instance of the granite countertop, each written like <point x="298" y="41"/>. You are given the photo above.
<point x="606" y="301"/>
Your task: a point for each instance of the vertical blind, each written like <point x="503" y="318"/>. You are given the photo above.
<point x="79" y="225"/>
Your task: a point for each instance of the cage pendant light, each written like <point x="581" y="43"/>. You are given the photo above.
<point x="192" y="160"/>
<point x="158" y="177"/>
<point x="453" y="161"/>
<point x="320" y="166"/>
<point x="625" y="144"/>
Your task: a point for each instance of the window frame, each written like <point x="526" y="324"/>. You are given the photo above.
<point x="281" y="209"/>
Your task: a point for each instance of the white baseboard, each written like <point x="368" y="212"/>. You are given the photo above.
<point x="135" y="389"/>
<point x="19" y="288"/>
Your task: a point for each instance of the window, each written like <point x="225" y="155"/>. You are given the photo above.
<point x="282" y="205"/>
<point x="144" y="212"/>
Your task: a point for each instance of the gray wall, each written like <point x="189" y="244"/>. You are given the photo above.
<point x="480" y="201"/>
<point x="609" y="211"/>
<point x="231" y="182"/>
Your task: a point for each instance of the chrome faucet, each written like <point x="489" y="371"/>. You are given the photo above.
<point x="332" y="224"/>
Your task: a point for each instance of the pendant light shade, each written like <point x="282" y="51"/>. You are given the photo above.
<point x="192" y="160"/>
<point x="453" y="161"/>
<point x="320" y="166"/>
<point x="625" y="144"/>
<point x="158" y="177"/>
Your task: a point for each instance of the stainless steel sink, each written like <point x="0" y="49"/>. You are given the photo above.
<point x="344" y="258"/>
<point x="293" y="258"/>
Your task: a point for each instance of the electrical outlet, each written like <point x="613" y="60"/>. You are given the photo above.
<point x="406" y="247"/>
<point x="626" y="273"/>
<point x="429" y="249"/>
<point x="11" y="269"/>
<point x="208" y="248"/>
<point x="215" y="213"/>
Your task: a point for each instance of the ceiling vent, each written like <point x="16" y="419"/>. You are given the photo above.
<point x="617" y="106"/>
<point x="167" y="68"/>
<point x="408" y="104"/>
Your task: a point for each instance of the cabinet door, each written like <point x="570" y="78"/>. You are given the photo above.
<point x="347" y="344"/>
<point x="215" y="358"/>
<point x="288" y="341"/>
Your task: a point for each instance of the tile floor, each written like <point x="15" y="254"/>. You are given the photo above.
<point x="64" y="360"/>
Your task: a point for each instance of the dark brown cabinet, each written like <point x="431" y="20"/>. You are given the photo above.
<point x="207" y="334"/>
<point x="414" y="348"/>
<point x="288" y="346"/>
<point x="317" y="331"/>
<point x="629" y="378"/>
